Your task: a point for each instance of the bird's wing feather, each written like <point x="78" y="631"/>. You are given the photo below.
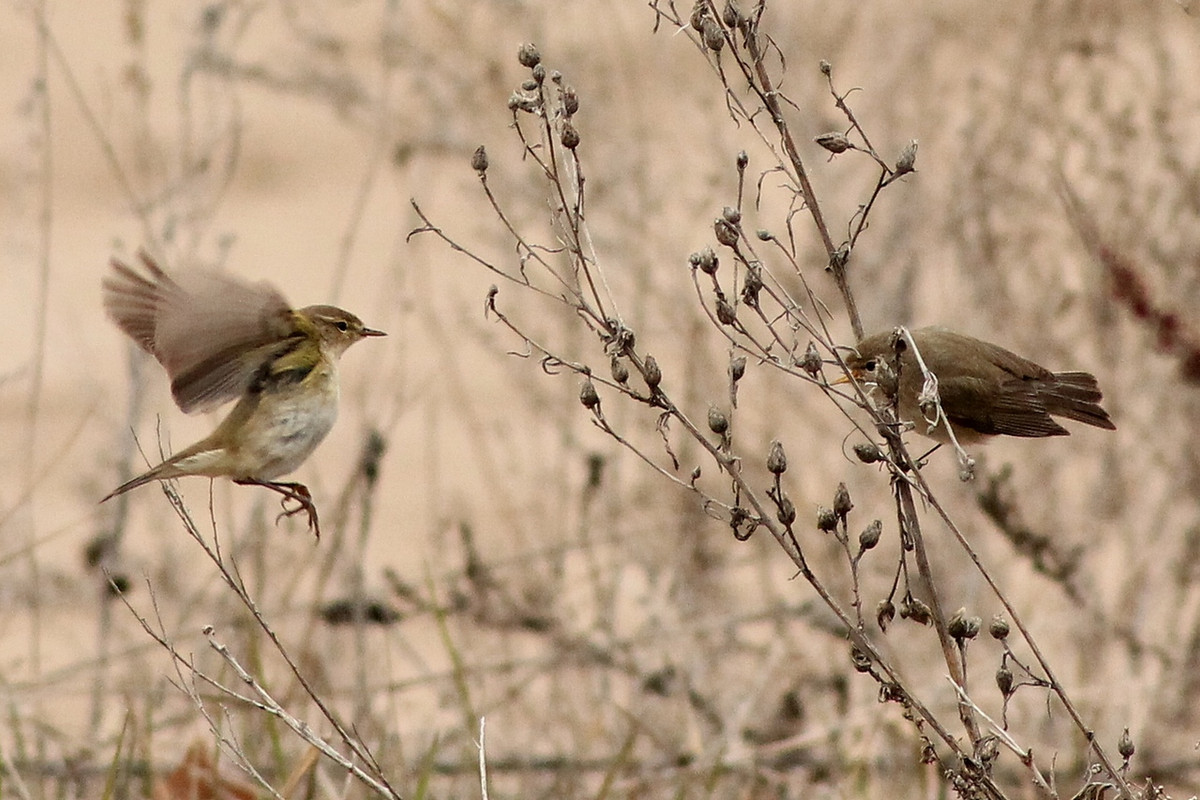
<point x="210" y="331"/>
<point x="1017" y="411"/>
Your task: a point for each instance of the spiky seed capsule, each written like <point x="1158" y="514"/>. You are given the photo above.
<point x="726" y="234"/>
<point x="811" y="361"/>
<point x="570" y="136"/>
<point x="787" y="511"/>
<point x="528" y="55"/>
<point x="587" y="394"/>
<point x="706" y="260"/>
<point x="1125" y="745"/>
<point x="714" y="37"/>
<point x="908" y="159"/>
<point x="726" y="315"/>
<point x="841" y="501"/>
<point x="539" y="73"/>
<point x="870" y="535"/>
<point x="998" y="628"/>
<point x="717" y="421"/>
<point x="834" y="141"/>
<point x="868" y="452"/>
<point x="570" y="101"/>
<point x="652" y="372"/>
<point x="826" y="68"/>
<point x="731" y="215"/>
<point x="529" y="85"/>
<point x="699" y="14"/>
<point x="737" y="368"/>
<point x="1004" y="681"/>
<point x="777" y="459"/>
<point x="620" y="372"/>
<point x="826" y="519"/>
<point x="974" y="626"/>
<point x="479" y="159"/>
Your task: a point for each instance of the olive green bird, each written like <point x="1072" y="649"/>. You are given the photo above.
<point x="221" y="338"/>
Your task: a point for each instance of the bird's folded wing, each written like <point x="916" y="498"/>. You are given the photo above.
<point x="210" y="331"/>
<point x="1015" y="411"/>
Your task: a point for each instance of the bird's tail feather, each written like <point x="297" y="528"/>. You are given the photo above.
<point x="1075" y="395"/>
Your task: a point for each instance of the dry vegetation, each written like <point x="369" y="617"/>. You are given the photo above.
<point x="629" y="590"/>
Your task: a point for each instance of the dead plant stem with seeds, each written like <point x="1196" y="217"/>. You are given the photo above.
<point x="766" y="326"/>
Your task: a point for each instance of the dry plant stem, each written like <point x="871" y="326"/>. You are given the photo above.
<point x="230" y="577"/>
<point x="911" y="526"/>
<point x="763" y="516"/>
<point x="1055" y="686"/>
<point x="763" y="85"/>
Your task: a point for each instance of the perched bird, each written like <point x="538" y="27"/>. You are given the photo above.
<point x="221" y="338"/>
<point x="984" y="389"/>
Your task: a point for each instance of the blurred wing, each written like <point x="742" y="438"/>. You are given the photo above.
<point x="210" y="331"/>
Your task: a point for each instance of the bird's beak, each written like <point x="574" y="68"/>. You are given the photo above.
<point x="843" y="378"/>
<point x="372" y="332"/>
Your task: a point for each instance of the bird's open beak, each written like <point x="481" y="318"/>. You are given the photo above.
<point x="372" y="332"/>
<point x="843" y="378"/>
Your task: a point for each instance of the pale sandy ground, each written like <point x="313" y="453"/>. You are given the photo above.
<point x="975" y="240"/>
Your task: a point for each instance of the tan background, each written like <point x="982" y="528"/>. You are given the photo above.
<point x="284" y="141"/>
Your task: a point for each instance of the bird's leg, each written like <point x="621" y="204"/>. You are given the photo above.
<point x="291" y="491"/>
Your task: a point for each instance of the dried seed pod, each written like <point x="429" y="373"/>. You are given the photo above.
<point x="726" y="233"/>
<point x="528" y="55"/>
<point x="1125" y="745"/>
<point x="714" y="37"/>
<point x="826" y="519"/>
<point x="908" y="159"/>
<point x="885" y="612"/>
<point x="479" y="159"/>
<point x="706" y="260"/>
<point x="737" y="368"/>
<point x="810" y="362"/>
<point x="731" y="215"/>
<point x="868" y="452"/>
<point x="998" y="628"/>
<point x="717" y="421"/>
<point x="620" y="372"/>
<point x="570" y="136"/>
<point x="777" y="459"/>
<point x="870" y="535"/>
<point x="726" y="314"/>
<point x="841" y="502"/>
<point x="570" y="100"/>
<point x="1004" y="681"/>
<point x="587" y="394"/>
<point x="834" y="141"/>
<point x="787" y="511"/>
<point x="652" y="372"/>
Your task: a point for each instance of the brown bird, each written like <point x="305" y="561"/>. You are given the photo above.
<point x="985" y="390"/>
<point x="221" y="338"/>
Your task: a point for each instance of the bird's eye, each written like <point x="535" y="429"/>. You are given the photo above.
<point x="342" y="325"/>
<point x="869" y="365"/>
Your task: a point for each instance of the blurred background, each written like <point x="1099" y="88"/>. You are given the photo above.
<point x="511" y="561"/>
